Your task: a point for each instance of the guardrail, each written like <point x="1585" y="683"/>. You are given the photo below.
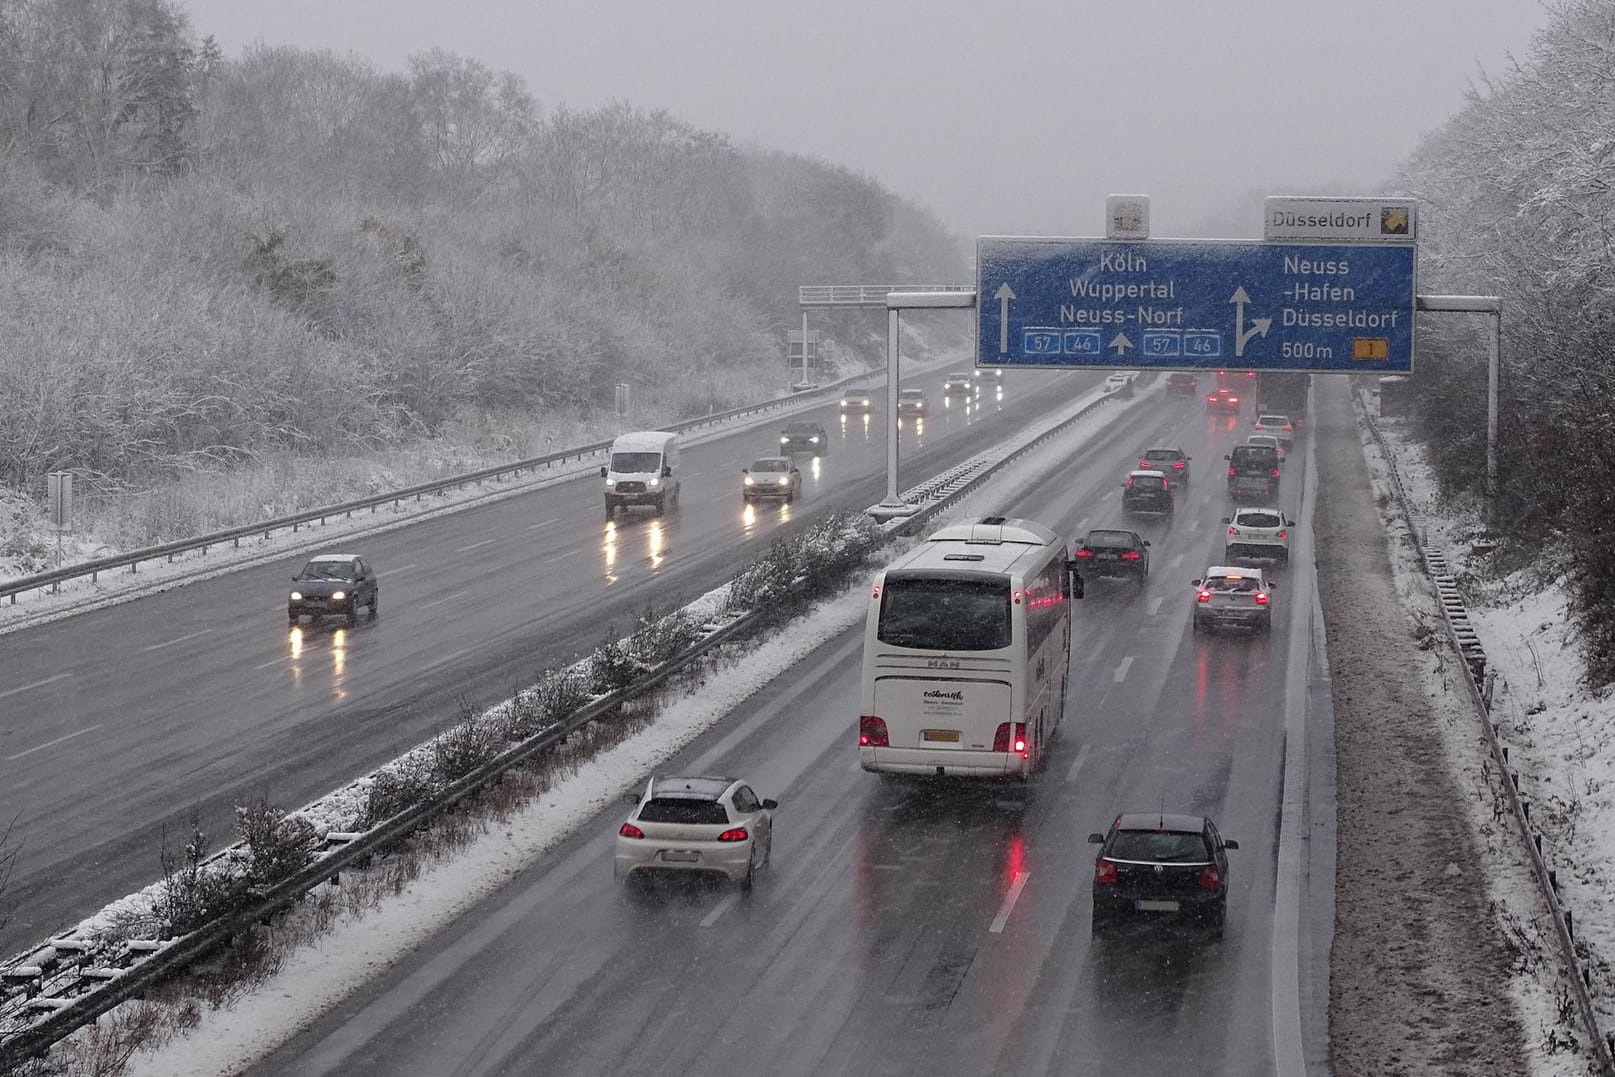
<point x="1461" y="635"/>
<point x="133" y="559"/>
<point x="66" y="983"/>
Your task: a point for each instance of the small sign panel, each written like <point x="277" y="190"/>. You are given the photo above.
<point x="1127" y="216"/>
<point x="1339" y="220"/>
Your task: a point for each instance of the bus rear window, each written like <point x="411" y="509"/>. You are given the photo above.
<point x="945" y="614"/>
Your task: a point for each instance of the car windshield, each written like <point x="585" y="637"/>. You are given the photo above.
<point x="943" y="614"/>
<point x="635" y="463"/>
<point x="770" y="465"/>
<point x="327" y="570"/>
<point x="683" y="810"/>
<point x="912" y="394"/>
<point x="1162" y="454"/>
<point x="1231" y="584"/>
<point x="853" y="394"/>
<point x="801" y="428"/>
<point x="1259" y="519"/>
<point x="1254" y="455"/>
<point x="1158" y="847"/>
<point x="1272" y="420"/>
<point x="1109" y="538"/>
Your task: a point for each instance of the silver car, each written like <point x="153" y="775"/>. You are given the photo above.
<point x="1229" y="594"/>
<point x="696" y="824"/>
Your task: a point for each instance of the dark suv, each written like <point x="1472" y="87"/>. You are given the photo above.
<point x="1253" y="472"/>
<point x="1147" y="491"/>
<point x="804" y="437"/>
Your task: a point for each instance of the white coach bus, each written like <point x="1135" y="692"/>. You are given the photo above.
<point x="966" y="650"/>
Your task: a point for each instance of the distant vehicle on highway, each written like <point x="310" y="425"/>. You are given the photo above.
<point x="1271" y="441"/>
<point x="988" y="373"/>
<point x="804" y="437"/>
<point x="1120" y="382"/>
<point x="333" y="584"/>
<point x="1277" y="425"/>
<point x="1161" y="864"/>
<point x="1257" y="533"/>
<point x="803" y="386"/>
<point x="855" y="401"/>
<point x="1182" y="382"/>
<point x="1232" y="594"/>
<point x="642" y="471"/>
<point x="1253" y="473"/>
<point x="1171" y="461"/>
<point x="770" y="477"/>
<point x="1222" y="400"/>
<point x="959" y="385"/>
<point x="1114" y="552"/>
<point x="1147" y="491"/>
<point x="966" y="646"/>
<point x="911" y="402"/>
<point x="714" y="826"/>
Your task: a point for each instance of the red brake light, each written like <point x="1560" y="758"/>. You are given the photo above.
<point x="1178" y="465"/>
<point x="872" y="732"/>
<point x="1002" y="741"/>
<point x="1275" y="473"/>
<point x="1204" y="596"/>
<point x="1084" y="551"/>
<point x="1210" y="878"/>
<point x="1104" y="873"/>
<point x="1020" y="737"/>
<point x="1232" y="531"/>
<point x="1143" y="465"/>
<point x="1261" y="598"/>
<point x="1230" y="471"/>
<point x="629" y="830"/>
<point x="1131" y="555"/>
<point x="875" y="591"/>
<point x="1129" y="480"/>
<point x="734" y="834"/>
<point x="1283" y="533"/>
<point x="1233" y="399"/>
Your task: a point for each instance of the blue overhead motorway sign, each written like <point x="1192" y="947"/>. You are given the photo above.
<point x="1185" y="304"/>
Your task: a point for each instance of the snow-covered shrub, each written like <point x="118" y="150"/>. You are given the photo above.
<point x="403" y="784"/>
<point x="278" y="845"/>
<point x="195" y="892"/>
<point x="659" y="638"/>
<point x="472" y="741"/>
<point x="612" y="666"/>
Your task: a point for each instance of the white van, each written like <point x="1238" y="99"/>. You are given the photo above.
<point x="643" y="471"/>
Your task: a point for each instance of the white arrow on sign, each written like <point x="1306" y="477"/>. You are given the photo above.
<point x="1120" y="343"/>
<point x="1259" y="326"/>
<point x="1004" y="294"/>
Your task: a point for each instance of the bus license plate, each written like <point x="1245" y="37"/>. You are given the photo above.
<point x="949" y="735"/>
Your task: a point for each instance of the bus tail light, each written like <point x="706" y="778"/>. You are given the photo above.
<point x="1104" y="873"/>
<point x="1004" y="741"/>
<point x="872" y="732"/>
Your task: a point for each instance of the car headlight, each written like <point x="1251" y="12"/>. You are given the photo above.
<point x="784" y="480"/>
<point x="748" y="480"/>
<point x="611" y="484"/>
<point x="338" y="596"/>
<point x="654" y="482"/>
<point x="296" y="596"/>
<point x="814" y="440"/>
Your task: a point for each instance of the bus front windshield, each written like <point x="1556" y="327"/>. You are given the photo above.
<point x="941" y="614"/>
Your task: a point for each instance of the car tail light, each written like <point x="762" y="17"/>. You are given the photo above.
<point x="629" y="830"/>
<point x="1131" y="555"/>
<point x="1104" y="873"/>
<point x="1230" y="471"/>
<point x="1210" y="878"/>
<point x="1233" y="400"/>
<point x="1232" y="531"/>
<point x="1003" y="742"/>
<point x="1275" y="473"/>
<point x="1084" y="551"/>
<point x="1212" y="399"/>
<point x="1178" y="466"/>
<point x="872" y="732"/>
<point x="737" y="833"/>
<point x="1129" y="480"/>
<point x="1261" y="598"/>
<point x="1143" y="465"/>
<point x="1203" y="596"/>
<point x="1283" y="534"/>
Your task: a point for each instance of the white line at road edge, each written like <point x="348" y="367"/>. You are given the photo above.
<point x="1288" y="1057"/>
<point x="476" y="545"/>
<point x="1009" y="902"/>
<point x="1121" y="670"/>
<point x="1155" y="605"/>
<point x="170" y="643"/>
<point x="722" y="907"/>
<point x="36" y="684"/>
<point x="52" y="743"/>
<point x="1082" y="757"/>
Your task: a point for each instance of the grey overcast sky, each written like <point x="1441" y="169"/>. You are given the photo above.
<point x="1008" y="117"/>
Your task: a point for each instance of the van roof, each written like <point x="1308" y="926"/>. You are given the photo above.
<point x="643" y="441"/>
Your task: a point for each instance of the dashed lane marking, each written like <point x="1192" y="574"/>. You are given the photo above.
<point x="181" y="639"/>
<point x="1121" y="670"/>
<point x="1010" y="898"/>
<point x="36" y="684"/>
<point x="52" y="743"/>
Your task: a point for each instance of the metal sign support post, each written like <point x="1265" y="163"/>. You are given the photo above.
<point x="804" y="347"/>
<point x="1490" y="305"/>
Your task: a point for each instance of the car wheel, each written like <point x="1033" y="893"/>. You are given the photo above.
<point x="1284" y="557"/>
<point x="768" y="850"/>
<point x="1101" y="925"/>
<point x="1265" y="625"/>
<point x="1197" y="624"/>
<point x="1219" y="919"/>
<point x="293" y="619"/>
<point x="610" y="508"/>
<point x="750" y="879"/>
<point x="353" y="612"/>
<point x="661" y="505"/>
<point x="375" y="603"/>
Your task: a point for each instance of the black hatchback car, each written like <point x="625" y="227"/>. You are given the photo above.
<point x="1147" y="491"/>
<point x="804" y="437"/>
<point x="1154" y="863"/>
<point x="333" y="583"/>
<point x="1114" y="552"/>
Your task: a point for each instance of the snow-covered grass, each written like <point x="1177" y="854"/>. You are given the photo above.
<point x="1560" y="737"/>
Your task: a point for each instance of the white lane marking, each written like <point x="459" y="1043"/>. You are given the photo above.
<point x="1009" y="902"/>
<point x="1155" y="605"/>
<point x="476" y="545"/>
<point x="1082" y="757"/>
<point x="1175" y="562"/>
<point x="1108" y="494"/>
<point x="440" y="601"/>
<point x="170" y="643"/>
<point x="51" y="743"/>
<point x="391" y="572"/>
<point x="690" y="474"/>
<point x="722" y="907"/>
<point x="273" y="662"/>
<point x="35" y="684"/>
<point x="543" y="523"/>
<point x="1195" y="524"/>
<point x="1121" y="670"/>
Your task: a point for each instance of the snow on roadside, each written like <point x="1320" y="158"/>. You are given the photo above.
<point x="318" y="977"/>
<point x="1559" y="737"/>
